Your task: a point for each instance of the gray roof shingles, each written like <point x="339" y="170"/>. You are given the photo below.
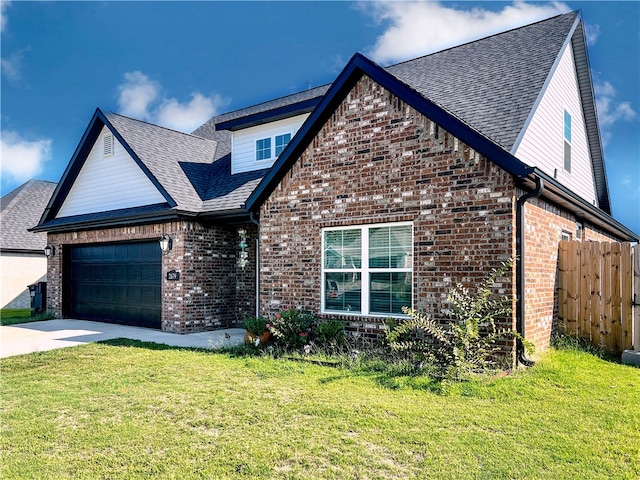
<point x="490" y="84"/>
<point x="21" y="210"/>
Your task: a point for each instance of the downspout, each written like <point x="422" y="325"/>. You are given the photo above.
<point x="520" y="252"/>
<point x="254" y="220"/>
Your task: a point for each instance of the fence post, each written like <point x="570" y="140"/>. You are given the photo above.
<point x="636" y="297"/>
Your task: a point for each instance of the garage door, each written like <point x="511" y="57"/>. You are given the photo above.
<point x="116" y="283"/>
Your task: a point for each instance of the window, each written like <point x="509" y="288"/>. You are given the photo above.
<point x="567" y="141"/>
<point x="263" y="149"/>
<point x="263" y="146"/>
<point x="281" y="142"/>
<point x="565" y="235"/>
<point x="368" y="270"/>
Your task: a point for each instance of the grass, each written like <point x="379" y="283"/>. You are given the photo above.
<point x="13" y="316"/>
<point x="125" y="409"/>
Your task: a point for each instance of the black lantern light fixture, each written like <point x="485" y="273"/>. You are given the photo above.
<point x="165" y="243"/>
<point x="49" y="251"/>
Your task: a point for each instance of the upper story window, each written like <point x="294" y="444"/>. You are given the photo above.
<point x="367" y="270"/>
<point x="281" y="142"/>
<point x="264" y="150"/>
<point x="567" y="141"/>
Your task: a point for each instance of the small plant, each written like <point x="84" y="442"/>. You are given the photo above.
<point x="291" y="328"/>
<point x="256" y="325"/>
<point x="330" y="334"/>
<point x="469" y="343"/>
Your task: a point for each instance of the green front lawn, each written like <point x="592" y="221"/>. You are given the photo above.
<point x="131" y="410"/>
<point x="12" y="316"/>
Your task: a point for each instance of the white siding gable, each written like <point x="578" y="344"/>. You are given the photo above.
<point x="243" y="144"/>
<point x="109" y="180"/>
<point x="542" y="144"/>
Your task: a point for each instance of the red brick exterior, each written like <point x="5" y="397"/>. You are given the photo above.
<point x="213" y="292"/>
<point x="545" y="224"/>
<point x="378" y="160"/>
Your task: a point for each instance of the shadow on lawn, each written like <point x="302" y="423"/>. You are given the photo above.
<point x="381" y="373"/>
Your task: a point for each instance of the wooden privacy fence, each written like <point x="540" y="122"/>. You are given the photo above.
<point x="596" y="293"/>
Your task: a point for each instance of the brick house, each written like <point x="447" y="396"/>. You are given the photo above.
<point x="384" y="189"/>
<point x="22" y="260"/>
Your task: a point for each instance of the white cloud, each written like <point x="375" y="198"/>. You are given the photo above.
<point x="22" y="159"/>
<point x="137" y="93"/>
<point x="4" y="4"/>
<point x="592" y="32"/>
<point x="419" y="28"/>
<point x="12" y="68"/>
<point x="609" y="110"/>
<point x="187" y="117"/>
<point x="140" y="97"/>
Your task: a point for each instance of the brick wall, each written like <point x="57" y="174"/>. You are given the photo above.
<point x="545" y="224"/>
<point x="212" y="291"/>
<point x="378" y="160"/>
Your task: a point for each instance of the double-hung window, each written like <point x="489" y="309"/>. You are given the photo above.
<point x="368" y="269"/>
<point x="567" y="141"/>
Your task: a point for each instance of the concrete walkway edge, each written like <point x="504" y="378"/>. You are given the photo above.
<point x="51" y="334"/>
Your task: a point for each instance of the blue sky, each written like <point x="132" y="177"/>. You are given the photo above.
<point x="179" y="63"/>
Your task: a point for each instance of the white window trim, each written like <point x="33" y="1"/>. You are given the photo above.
<point x="365" y="270"/>
<point x="273" y="156"/>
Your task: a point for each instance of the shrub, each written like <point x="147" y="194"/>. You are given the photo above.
<point x="465" y="346"/>
<point x="291" y="328"/>
<point x="255" y="325"/>
<point x="330" y="334"/>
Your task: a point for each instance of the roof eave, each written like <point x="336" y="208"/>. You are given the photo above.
<point x="581" y="208"/>
<point x="125" y="220"/>
<point x="272" y="115"/>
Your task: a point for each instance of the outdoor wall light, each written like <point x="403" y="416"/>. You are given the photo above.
<point x="49" y="251"/>
<point x="165" y="243"/>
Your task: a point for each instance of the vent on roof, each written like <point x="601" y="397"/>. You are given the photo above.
<point x="108" y="145"/>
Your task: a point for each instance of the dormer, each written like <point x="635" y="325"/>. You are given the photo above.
<point x="259" y="134"/>
<point x="258" y="147"/>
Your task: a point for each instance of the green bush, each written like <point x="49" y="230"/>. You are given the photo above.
<point x="291" y="328"/>
<point x="330" y="334"/>
<point x="255" y="325"/>
<point x="466" y="345"/>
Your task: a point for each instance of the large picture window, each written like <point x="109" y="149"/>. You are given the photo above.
<point x="367" y="270"/>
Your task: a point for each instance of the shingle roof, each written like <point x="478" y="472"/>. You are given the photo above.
<point x="21" y="210"/>
<point x="161" y="150"/>
<point x="208" y="129"/>
<point x="491" y="84"/>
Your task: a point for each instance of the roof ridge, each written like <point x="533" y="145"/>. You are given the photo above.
<point x="269" y="101"/>
<point x="576" y="12"/>
<point x="198" y="137"/>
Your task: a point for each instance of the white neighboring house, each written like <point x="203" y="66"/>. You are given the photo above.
<point x="22" y="260"/>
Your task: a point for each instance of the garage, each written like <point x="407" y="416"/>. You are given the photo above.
<point x="115" y="283"/>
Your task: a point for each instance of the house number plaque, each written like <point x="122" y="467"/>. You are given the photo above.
<point x="173" y="275"/>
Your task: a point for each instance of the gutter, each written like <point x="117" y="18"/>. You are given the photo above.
<point x="520" y="254"/>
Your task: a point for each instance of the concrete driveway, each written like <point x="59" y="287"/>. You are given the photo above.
<point x="52" y="334"/>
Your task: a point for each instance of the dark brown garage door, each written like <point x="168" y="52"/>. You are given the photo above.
<point x="116" y="283"/>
